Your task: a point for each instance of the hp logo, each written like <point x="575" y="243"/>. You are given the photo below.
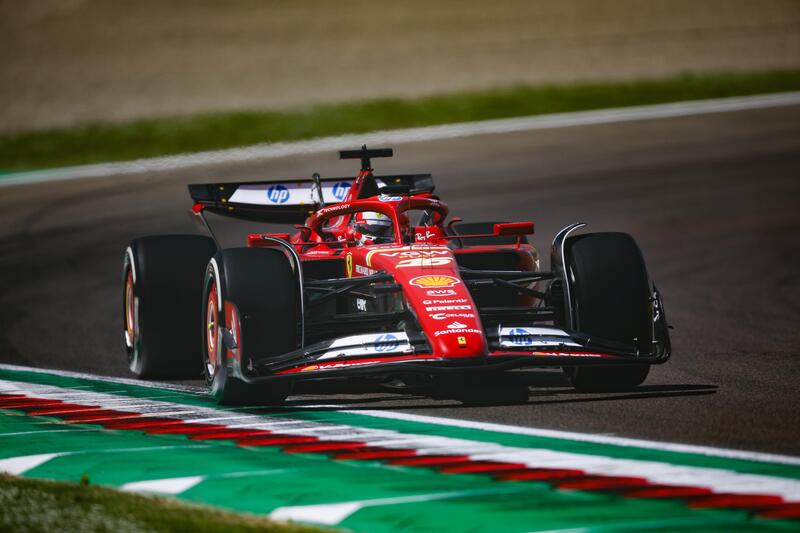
<point x="386" y="343"/>
<point x="520" y="337"/>
<point x="278" y="194"/>
<point x="340" y="189"/>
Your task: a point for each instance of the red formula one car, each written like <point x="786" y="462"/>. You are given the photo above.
<point x="377" y="282"/>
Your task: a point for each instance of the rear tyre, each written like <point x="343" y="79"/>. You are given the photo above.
<point x="250" y="311"/>
<point x="612" y="299"/>
<point x="162" y="289"/>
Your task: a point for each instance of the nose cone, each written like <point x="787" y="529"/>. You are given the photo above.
<point x="439" y="298"/>
<point x="449" y="319"/>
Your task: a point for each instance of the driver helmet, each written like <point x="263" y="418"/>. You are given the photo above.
<point x="375" y="228"/>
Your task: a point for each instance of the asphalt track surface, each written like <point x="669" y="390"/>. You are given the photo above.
<point x="711" y="199"/>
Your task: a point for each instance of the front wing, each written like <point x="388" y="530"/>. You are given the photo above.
<point x="383" y="354"/>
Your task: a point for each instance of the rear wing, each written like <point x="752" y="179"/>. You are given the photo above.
<point x="284" y="201"/>
<point x="292" y="201"/>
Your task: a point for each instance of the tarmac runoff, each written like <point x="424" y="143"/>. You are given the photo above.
<point x="377" y="471"/>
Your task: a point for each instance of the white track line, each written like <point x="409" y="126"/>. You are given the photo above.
<point x="169" y="409"/>
<point x="585" y="437"/>
<point x="174" y="485"/>
<point x="41" y="432"/>
<point x="178" y="485"/>
<point x="331" y="514"/>
<point x="657" y="471"/>
<point x="21" y="464"/>
<point x="429" y="133"/>
<point x="108" y="379"/>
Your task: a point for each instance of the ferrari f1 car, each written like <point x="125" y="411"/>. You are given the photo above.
<point x="379" y="282"/>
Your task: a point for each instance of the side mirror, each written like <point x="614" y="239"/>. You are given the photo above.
<point x="514" y="228"/>
<point x="305" y="232"/>
<point x="454" y="221"/>
<point x="256" y="240"/>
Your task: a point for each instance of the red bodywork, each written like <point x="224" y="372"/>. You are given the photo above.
<point x="425" y="268"/>
<point x="425" y="261"/>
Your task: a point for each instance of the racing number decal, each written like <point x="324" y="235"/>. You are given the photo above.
<point x="406" y="252"/>
<point x="424" y="262"/>
<point x="348" y="265"/>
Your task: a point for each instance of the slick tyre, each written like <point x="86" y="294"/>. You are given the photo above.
<point x="250" y="311"/>
<point x="162" y="284"/>
<point x="612" y="300"/>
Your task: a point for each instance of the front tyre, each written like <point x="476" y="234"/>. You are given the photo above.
<point x="162" y="288"/>
<point x="612" y="300"/>
<point x="250" y="311"/>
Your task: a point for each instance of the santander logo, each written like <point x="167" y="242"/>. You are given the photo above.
<point x="456" y="325"/>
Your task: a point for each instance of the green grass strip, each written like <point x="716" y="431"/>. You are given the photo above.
<point x="149" y="138"/>
<point x="45" y="506"/>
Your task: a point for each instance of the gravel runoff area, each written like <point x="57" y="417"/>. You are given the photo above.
<point x="64" y="62"/>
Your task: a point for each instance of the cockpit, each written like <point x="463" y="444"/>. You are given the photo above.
<point x="372" y="227"/>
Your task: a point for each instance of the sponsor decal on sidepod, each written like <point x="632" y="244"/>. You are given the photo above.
<point x="366" y="271"/>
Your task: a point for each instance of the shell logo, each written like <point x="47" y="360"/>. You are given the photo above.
<point x="435" y="281"/>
